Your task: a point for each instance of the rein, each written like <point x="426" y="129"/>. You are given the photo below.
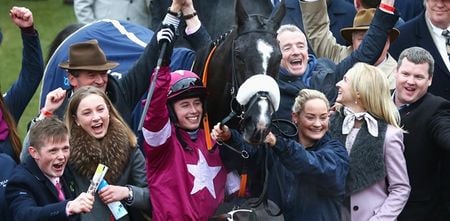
<point x="206" y="128"/>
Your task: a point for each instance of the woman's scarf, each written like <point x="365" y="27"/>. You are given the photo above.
<point x="349" y="121"/>
<point x="87" y="152"/>
<point x="4" y="129"/>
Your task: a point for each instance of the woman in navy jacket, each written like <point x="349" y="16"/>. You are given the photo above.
<point x="307" y="173"/>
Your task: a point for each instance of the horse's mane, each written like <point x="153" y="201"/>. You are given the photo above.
<point x="222" y="37"/>
<point x="202" y="54"/>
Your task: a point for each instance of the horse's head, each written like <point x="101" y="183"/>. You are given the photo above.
<point x="255" y="46"/>
<point x="250" y="49"/>
<point x="260" y="97"/>
<point x="257" y="58"/>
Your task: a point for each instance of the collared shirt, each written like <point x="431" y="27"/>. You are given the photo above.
<point x="439" y="41"/>
<point x="54" y="180"/>
<point x="399" y="106"/>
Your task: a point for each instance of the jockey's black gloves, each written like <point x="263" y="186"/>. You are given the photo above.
<point x="166" y="38"/>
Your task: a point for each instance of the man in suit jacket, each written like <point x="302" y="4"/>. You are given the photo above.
<point x="32" y="191"/>
<point x="425" y="31"/>
<point x="426" y="118"/>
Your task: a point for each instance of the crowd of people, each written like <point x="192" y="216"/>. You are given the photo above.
<point x="367" y="98"/>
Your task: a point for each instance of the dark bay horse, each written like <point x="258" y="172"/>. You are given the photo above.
<point x="250" y="49"/>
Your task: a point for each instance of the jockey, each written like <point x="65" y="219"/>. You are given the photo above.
<point x="187" y="181"/>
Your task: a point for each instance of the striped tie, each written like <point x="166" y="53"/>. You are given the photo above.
<point x="446" y="35"/>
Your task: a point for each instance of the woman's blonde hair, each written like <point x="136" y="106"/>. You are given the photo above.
<point x="83" y="92"/>
<point x="305" y="95"/>
<point x="372" y="86"/>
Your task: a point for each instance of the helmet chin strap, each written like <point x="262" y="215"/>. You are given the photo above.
<point x="193" y="134"/>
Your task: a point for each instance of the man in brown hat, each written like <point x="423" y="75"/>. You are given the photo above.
<point x="87" y="65"/>
<point x="301" y="70"/>
<point x="324" y="45"/>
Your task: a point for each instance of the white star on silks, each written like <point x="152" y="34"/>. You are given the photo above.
<point x="203" y="175"/>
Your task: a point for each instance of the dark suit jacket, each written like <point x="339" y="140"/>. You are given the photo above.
<point x="409" y="9"/>
<point x="7" y="165"/>
<point x="427" y="123"/>
<point x="341" y="15"/>
<point x="32" y="196"/>
<point x="415" y="33"/>
<point x="293" y="14"/>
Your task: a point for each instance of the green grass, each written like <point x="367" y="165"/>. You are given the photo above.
<point x="50" y="16"/>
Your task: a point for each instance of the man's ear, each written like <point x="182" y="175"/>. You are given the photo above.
<point x="33" y="152"/>
<point x="72" y="79"/>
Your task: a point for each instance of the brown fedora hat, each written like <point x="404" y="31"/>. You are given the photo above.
<point x="362" y="22"/>
<point x="87" y="56"/>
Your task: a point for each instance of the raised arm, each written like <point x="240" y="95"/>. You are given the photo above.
<point x="317" y="29"/>
<point x="23" y="89"/>
<point x="157" y="128"/>
<point x="195" y="33"/>
<point x="137" y="80"/>
<point x="373" y="42"/>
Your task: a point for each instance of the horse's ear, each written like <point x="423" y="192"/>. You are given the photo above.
<point x="277" y="16"/>
<point x="241" y="14"/>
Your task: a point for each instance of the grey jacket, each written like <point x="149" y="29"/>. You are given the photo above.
<point x="136" y="11"/>
<point x="134" y="175"/>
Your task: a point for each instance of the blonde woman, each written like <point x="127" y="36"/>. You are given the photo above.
<point x="368" y="124"/>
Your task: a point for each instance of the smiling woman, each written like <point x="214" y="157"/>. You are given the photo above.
<point x="98" y="134"/>
<point x="368" y="125"/>
<point x="310" y="166"/>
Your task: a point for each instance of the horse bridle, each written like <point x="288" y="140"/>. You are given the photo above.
<point x="234" y="85"/>
<point x="234" y="80"/>
<point x="260" y="95"/>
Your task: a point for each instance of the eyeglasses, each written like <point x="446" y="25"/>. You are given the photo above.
<point x="185" y="84"/>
